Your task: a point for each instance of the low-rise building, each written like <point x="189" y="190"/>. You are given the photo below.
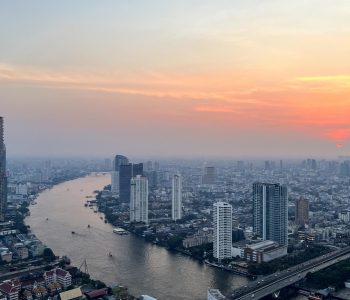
<point x="306" y="236"/>
<point x="6" y="254"/>
<point x="21" y="251"/>
<point x="73" y="294"/>
<point x="97" y="293"/>
<point x="10" y="289"/>
<point x="58" y="275"/>
<point x="259" y="252"/>
<point x="204" y="236"/>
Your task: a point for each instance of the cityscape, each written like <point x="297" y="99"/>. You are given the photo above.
<point x="186" y="150"/>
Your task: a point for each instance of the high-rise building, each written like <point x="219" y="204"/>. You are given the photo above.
<point x="126" y="172"/>
<point x="301" y="211"/>
<point x="139" y="199"/>
<point x="270" y="212"/>
<point x="267" y="165"/>
<point x="209" y="176"/>
<point x="222" y="239"/>
<point x="3" y="177"/>
<point x="176" y="206"/>
<point x="125" y="175"/>
<point x="117" y="162"/>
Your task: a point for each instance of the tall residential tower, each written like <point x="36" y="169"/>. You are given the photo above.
<point x="270" y="212"/>
<point x="222" y="242"/>
<point x="139" y="199"/>
<point x="3" y="177"/>
<point x="176" y="207"/>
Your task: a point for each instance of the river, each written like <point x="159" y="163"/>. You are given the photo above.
<point x="143" y="267"/>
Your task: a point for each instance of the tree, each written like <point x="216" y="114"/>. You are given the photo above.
<point x="175" y="242"/>
<point x="49" y="255"/>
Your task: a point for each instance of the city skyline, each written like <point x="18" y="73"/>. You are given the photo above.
<point x="180" y="150"/>
<point x="223" y="78"/>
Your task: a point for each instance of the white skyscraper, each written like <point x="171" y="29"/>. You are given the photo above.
<point x="177" y="198"/>
<point x="139" y="199"/>
<point x="222" y="244"/>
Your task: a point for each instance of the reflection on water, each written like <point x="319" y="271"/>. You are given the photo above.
<point x="145" y="268"/>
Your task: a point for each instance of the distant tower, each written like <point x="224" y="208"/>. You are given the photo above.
<point x="117" y="162"/>
<point x="177" y="197"/>
<point x="222" y="242"/>
<point x="139" y="199"/>
<point x="301" y="211"/>
<point x="270" y="212"/>
<point x="3" y="177"/>
<point x="209" y="176"/>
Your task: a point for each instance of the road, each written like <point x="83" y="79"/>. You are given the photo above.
<point x="273" y="283"/>
<point x="25" y="271"/>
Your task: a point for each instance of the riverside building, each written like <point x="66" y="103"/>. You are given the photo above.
<point x="139" y="199"/>
<point x="222" y="237"/>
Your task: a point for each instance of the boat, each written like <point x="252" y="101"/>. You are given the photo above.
<point x="33" y="203"/>
<point x="89" y="226"/>
<point x="47" y="219"/>
<point x="120" y="231"/>
<point x="73" y="232"/>
<point x="347" y="284"/>
<point x="314" y="297"/>
<point x="110" y="254"/>
<point x="213" y="264"/>
<point x="66" y="259"/>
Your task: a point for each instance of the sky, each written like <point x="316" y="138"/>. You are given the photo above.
<point x="196" y="78"/>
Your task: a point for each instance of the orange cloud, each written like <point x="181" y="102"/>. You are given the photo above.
<point x="316" y="105"/>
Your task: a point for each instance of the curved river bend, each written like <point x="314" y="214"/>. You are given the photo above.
<point x="144" y="268"/>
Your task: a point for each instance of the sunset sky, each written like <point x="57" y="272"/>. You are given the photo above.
<point x="235" y="78"/>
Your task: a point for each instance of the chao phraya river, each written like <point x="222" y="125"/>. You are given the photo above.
<point x="143" y="267"/>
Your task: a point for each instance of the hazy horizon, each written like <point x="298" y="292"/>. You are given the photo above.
<point x="186" y="78"/>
